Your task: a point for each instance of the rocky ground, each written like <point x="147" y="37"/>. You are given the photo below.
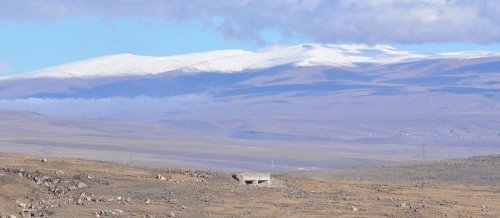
<point x="475" y="171"/>
<point x="56" y="187"/>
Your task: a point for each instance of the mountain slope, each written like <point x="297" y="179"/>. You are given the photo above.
<point x="238" y="60"/>
<point x="458" y="76"/>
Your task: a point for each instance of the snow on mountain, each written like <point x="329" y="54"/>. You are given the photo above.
<point x="469" y="54"/>
<point x="226" y="61"/>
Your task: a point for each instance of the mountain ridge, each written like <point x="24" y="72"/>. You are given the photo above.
<point x="231" y="61"/>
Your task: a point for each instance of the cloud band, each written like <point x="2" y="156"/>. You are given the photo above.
<point x="361" y="21"/>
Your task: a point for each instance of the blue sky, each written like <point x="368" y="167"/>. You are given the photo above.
<point x="35" y="44"/>
<point x="38" y="34"/>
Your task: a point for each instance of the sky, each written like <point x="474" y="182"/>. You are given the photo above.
<point x="37" y="34"/>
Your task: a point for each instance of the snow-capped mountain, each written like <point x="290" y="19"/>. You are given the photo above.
<point x="311" y="92"/>
<point x="274" y="70"/>
<point x="226" y="61"/>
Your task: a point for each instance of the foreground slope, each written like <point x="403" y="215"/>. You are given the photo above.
<point x="79" y="188"/>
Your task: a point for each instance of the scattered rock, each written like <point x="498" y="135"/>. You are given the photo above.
<point x="128" y="200"/>
<point x="160" y="177"/>
<point x="172" y="214"/>
<point x="20" y="204"/>
<point x="353" y="208"/>
<point x="44" y="160"/>
<point x="79" y="201"/>
<point x="81" y="185"/>
<point x="113" y="212"/>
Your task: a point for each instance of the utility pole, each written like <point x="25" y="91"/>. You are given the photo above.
<point x="131" y="157"/>
<point x="423" y="164"/>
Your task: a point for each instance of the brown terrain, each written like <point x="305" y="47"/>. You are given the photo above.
<point x="58" y="187"/>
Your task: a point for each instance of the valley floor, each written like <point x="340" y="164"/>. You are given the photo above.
<point x="58" y="187"/>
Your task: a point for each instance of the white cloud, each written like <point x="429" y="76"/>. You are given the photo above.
<point x="114" y="106"/>
<point x="365" y="21"/>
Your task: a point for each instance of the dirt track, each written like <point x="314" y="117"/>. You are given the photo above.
<point x="79" y="188"/>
